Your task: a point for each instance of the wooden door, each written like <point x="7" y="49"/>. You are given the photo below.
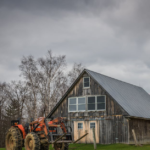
<point x="90" y="125"/>
<point x="82" y="127"/>
<point x="79" y="130"/>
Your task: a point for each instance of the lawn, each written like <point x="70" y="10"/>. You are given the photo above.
<point x="104" y="147"/>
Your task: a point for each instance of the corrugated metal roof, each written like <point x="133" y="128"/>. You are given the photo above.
<point x="133" y="99"/>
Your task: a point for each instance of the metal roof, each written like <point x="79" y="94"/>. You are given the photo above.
<point x="133" y="99"/>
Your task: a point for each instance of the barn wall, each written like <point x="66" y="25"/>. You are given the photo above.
<point x="142" y="130"/>
<point x="113" y="126"/>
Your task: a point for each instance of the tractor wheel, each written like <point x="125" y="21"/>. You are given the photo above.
<point x="32" y="142"/>
<point x="44" y="147"/>
<point x="66" y="147"/>
<point x="13" y="139"/>
<point x="59" y="146"/>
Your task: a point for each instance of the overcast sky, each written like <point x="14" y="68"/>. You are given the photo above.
<point x="111" y="37"/>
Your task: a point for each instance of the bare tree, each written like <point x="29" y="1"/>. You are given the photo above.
<point x="46" y="80"/>
<point x="53" y="82"/>
<point x="74" y="73"/>
<point x="29" y="69"/>
<point x="2" y="101"/>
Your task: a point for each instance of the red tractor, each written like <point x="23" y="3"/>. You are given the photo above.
<point x="39" y="134"/>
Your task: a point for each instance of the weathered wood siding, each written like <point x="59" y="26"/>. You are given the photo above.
<point x="113" y="126"/>
<point x="142" y="131"/>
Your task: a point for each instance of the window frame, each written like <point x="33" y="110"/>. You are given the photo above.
<point x="94" y="125"/>
<point x="96" y="103"/>
<point x="77" y="104"/>
<point x="72" y="104"/>
<point x="101" y="102"/>
<point x="86" y="103"/>
<point x="83" y="83"/>
<point x="78" y="125"/>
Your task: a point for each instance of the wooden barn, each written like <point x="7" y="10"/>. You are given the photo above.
<point x="111" y="106"/>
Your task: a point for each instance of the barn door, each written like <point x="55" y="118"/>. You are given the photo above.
<point x="90" y="125"/>
<point x="79" y="130"/>
<point x="81" y="127"/>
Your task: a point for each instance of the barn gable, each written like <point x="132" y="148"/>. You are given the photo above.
<point x="77" y="90"/>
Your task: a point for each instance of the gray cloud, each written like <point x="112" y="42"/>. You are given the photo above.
<point x="111" y="37"/>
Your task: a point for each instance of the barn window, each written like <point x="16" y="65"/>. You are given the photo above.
<point x="87" y="103"/>
<point x="92" y="125"/>
<point x="80" y="125"/>
<point x="72" y="104"/>
<point x="86" y="82"/>
<point x="91" y="103"/>
<point x="96" y="103"/>
<point x="81" y="104"/>
<point x="77" y="104"/>
<point x="100" y="102"/>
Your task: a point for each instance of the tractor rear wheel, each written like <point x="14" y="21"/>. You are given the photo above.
<point x="32" y="142"/>
<point x="13" y="139"/>
<point x="44" y="147"/>
<point x="59" y="146"/>
<point x="66" y="147"/>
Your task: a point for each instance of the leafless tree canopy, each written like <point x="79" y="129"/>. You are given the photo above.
<point x="44" y="83"/>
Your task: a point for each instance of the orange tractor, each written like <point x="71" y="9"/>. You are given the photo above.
<point x="39" y="134"/>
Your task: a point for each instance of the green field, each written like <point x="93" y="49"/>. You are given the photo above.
<point x="104" y="147"/>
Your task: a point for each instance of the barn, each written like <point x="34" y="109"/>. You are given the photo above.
<point x="111" y="106"/>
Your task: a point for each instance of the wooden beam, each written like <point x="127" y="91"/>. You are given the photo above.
<point x="134" y="137"/>
<point x="80" y="138"/>
<point x="59" y="138"/>
<point x="94" y="139"/>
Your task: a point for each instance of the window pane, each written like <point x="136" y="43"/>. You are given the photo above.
<point x="92" y="125"/>
<point x="91" y="106"/>
<point x="80" y="125"/>
<point x="72" y="107"/>
<point x="81" y="107"/>
<point x="81" y="100"/>
<point x="100" y="99"/>
<point x="101" y="106"/>
<point x="86" y="84"/>
<point x="72" y="101"/>
<point x="91" y="99"/>
<point x="86" y="79"/>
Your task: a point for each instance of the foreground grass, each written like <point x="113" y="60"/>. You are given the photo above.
<point x="103" y="147"/>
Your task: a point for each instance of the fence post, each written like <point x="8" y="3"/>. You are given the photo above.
<point x="94" y="139"/>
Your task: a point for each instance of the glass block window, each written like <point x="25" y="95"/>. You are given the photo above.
<point x="80" y="125"/>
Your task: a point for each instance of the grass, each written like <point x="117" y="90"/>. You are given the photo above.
<point x="104" y="147"/>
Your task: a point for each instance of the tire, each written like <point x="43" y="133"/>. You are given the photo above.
<point x="32" y="142"/>
<point x="44" y="147"/>
<point x="13" y="140"/>
<point x="59" y="146"/>
<point x="66" y="147"/>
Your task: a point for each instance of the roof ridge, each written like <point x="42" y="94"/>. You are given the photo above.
<point x="114" y="78"/>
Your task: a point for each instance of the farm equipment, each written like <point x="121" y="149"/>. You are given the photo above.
<point x="39" y="134"/>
